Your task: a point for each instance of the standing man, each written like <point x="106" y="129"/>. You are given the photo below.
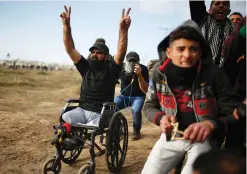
<point x="236" y="17"/>
<point x="214" y="24"/>
<point x="99" y="73"/>
<point x="234" y="52"/>
<point x="134" y="84"/>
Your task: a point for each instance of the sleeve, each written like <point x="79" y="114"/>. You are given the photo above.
<point x="198" y="11"/>
<point x="243" y="31"/>
<point x="117" y="68"/>
<point x="151" y="106"/>
<point x="227" y="99"/>
<point x="82" y="66"/>
<point x="145" y="74"/>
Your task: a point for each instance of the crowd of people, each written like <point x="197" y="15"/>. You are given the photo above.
<point x="199" y="82"/>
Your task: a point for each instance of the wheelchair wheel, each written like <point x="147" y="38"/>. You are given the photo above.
<point x="70" y="155"/>
<point x="85" y="169"/>
<point x="116" y="142"/>
<point x="47" y="167"/>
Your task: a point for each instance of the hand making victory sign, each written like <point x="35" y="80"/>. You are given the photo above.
<point x="66" y="16"/>
<point x="123" y="37"/>
<point x="125" y="20"/>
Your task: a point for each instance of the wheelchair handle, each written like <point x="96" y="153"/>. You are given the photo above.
<point x="109" y="104"/>
<point x="72" y="100"/>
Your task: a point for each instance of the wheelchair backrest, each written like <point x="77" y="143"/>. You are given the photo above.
<point x="106" y="114"/>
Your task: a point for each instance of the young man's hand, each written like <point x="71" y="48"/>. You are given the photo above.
<point x="236" y="113"/>
<point x="125" y="20"/>
<point x="66" y="16"/>
<point x="199" y="132"/>
<point x="166" y="123"/>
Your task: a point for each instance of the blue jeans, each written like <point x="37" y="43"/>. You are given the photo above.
<point x="136" y="104"/>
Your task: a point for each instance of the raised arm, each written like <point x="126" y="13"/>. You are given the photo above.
<point x="123" y="37"/>
<point x="198" y="11"/>
<point x="67" y="36"/>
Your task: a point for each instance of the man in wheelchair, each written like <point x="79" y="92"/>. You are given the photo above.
<point x="99" y="73"/>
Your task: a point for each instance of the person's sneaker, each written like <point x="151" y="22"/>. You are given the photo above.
<point x="136" y="135"/>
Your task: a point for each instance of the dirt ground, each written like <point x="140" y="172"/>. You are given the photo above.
<point x="30" y="104"/>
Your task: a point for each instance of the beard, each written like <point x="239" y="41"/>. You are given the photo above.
<point x="97" y="64"/>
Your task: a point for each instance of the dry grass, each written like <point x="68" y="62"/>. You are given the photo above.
<point x="39" y="79"/>
<point x="30" y="104"/>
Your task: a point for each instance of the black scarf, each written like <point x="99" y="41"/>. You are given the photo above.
<point x="215" y="35"/>
<point x="177" y="76"/>
<point x="97" y="64"/>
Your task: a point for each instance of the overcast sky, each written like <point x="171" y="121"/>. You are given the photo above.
<point x="32" y="30"/>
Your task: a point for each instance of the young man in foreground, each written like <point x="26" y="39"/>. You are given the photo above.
<point x="190" y="91"/>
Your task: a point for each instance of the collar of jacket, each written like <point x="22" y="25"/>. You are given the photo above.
<point x="167" y="61"/>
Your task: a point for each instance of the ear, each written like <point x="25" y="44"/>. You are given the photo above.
<point x="210" y="11"/>
<point x="229" y="11"/>
<point x="168" y="53"/>
<point x="106" y="57"/>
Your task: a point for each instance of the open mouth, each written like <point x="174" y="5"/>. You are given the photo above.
<point x="220" y="13"/>
<point x="185" y="63"/>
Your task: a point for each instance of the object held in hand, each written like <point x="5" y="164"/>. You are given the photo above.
<point x="241" y="110"/>
<point x="240" y="58"/>
<point x="176" y="134"/>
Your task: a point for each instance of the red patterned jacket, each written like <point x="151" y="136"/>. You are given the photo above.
<point x="212" y="96"/>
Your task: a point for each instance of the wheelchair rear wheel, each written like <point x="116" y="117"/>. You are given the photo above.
<point x="116" y="142"/>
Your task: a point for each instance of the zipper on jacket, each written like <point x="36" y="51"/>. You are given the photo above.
<point x="193" y="97"/>
<point x="176" y="109"/>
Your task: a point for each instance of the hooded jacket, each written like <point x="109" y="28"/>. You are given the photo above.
<point x="212" y="96"/>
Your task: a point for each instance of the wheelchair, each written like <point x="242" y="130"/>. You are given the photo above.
<point x="70" y="140"/>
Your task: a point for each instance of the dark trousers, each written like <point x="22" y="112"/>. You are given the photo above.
<point x="236" y="136"/>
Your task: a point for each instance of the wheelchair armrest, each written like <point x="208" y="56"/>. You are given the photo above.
<point x="72" y="100"/>
<point x="109" y="104"/>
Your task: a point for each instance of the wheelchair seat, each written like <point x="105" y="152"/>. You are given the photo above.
<point x="105" y="116"/>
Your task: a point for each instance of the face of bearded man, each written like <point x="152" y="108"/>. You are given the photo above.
<point x="97" y="60"/>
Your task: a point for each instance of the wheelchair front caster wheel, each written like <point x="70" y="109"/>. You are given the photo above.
<point x="49" y="167"/>
<point x="85" y="169"/>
